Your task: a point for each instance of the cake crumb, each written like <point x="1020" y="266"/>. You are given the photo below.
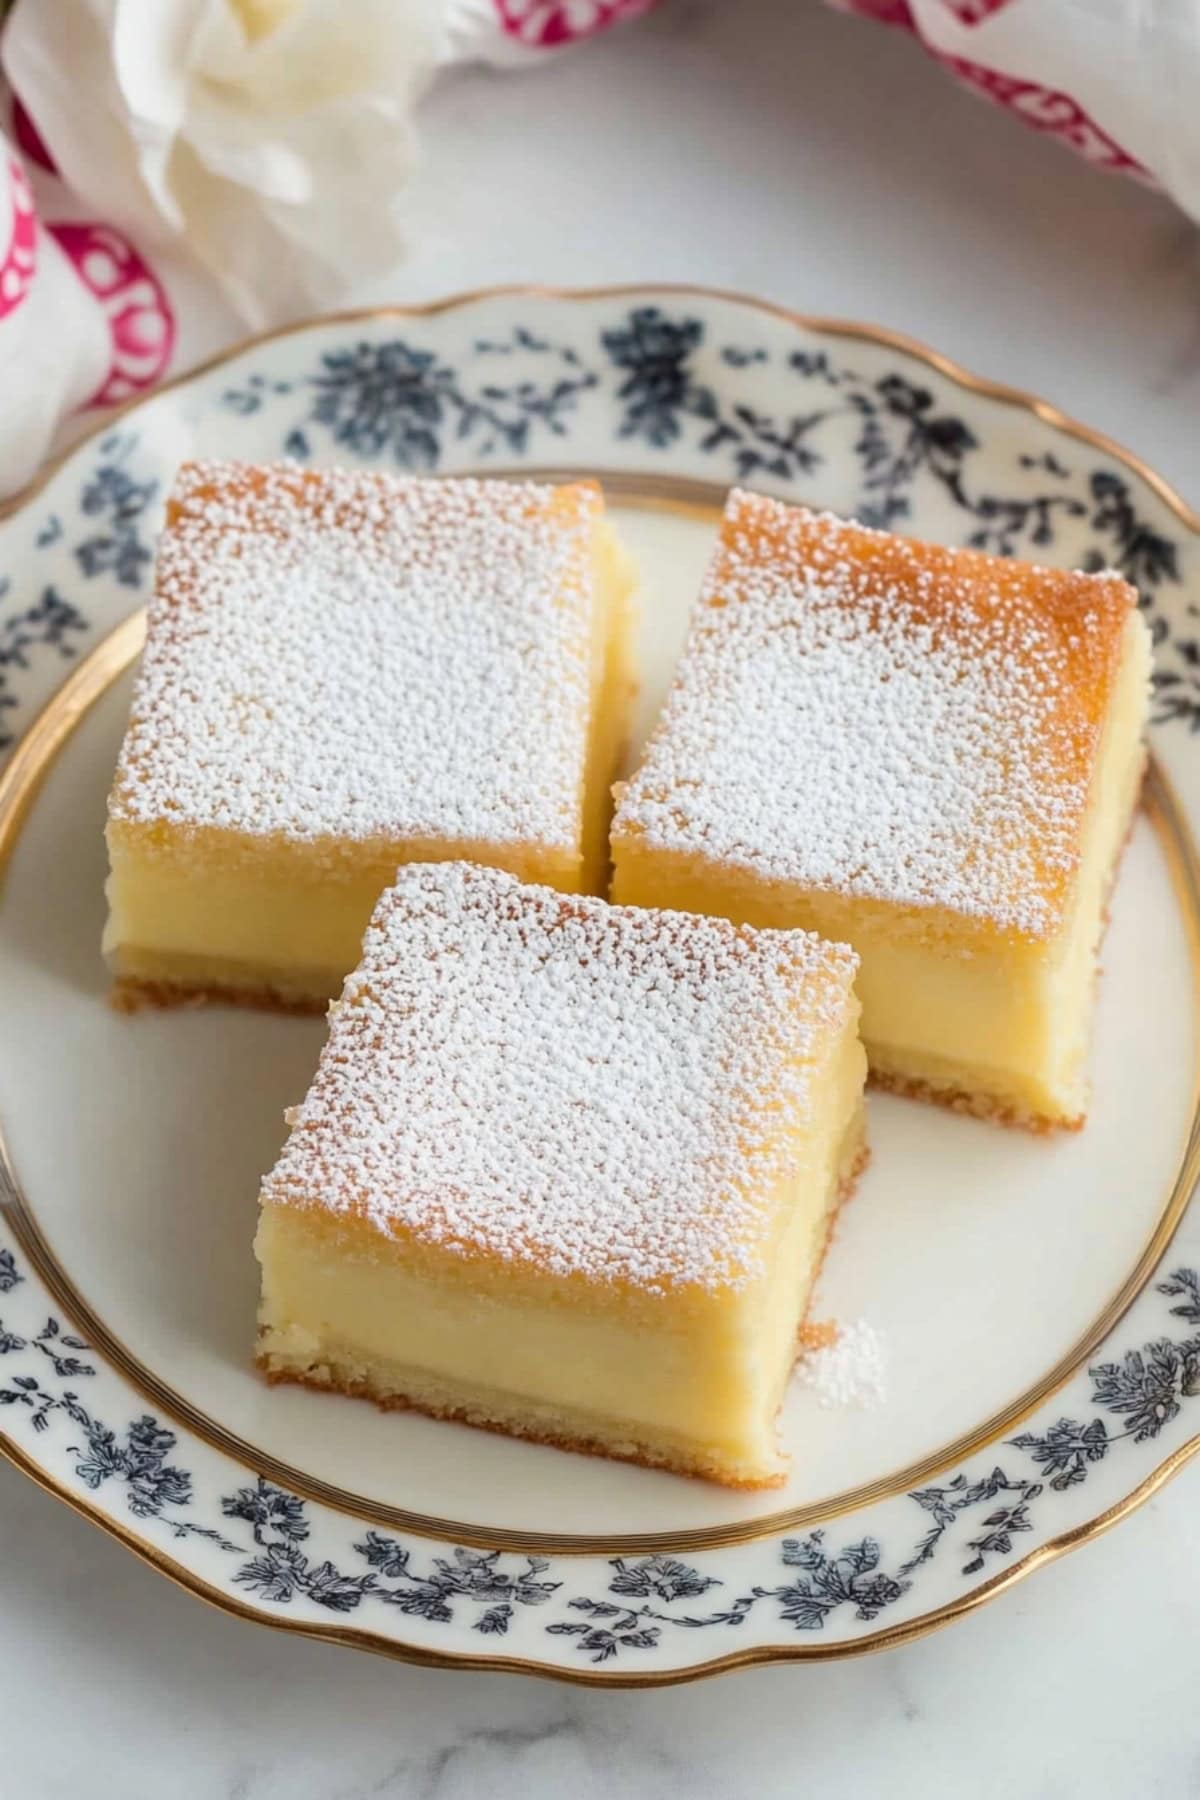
<point x="817" y="1334"/>
<point x="849" y="1369"/>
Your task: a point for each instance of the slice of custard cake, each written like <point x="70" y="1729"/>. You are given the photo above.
<point x="931" y="754"/>
<point x="346" y="671"/>
<point x="566" y="1170"/>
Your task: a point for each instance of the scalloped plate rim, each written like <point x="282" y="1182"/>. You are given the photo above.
<point x="1057" y="1544"/>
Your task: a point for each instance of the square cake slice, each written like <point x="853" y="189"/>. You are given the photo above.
<point x="932" y="755"/>
<point x="566" y="1170"/>
<point x="346" y="671"/>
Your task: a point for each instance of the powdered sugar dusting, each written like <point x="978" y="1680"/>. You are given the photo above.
<point x="879" y="718"/>
<point x="852" y="1371"/>
<point x="360" y="656"/>
<point x="598" y="1091"/>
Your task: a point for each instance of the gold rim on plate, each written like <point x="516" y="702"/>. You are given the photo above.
<point x="37" y="747"/>
<point x="19" y="783"/>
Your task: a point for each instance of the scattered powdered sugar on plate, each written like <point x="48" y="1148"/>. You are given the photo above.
<point x="337" y="654"/>
<point x="593" y="1091"/>
<point x="851" y="1371"/>
<point x="865" y="715"/>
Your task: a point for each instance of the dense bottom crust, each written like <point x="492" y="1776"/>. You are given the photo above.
<point x="611" y="1443"/>
<point x="979" y="1106"/>
<point x="168" y="978"/>
<point x="128" y="994"/>
<point x="629" y="1450"/>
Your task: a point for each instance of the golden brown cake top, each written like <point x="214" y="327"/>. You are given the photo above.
<point x="867" y="715"/>
<point x="349" y="655"/>
<point x="596" y="1091"/>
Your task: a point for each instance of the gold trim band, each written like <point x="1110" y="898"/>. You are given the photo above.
<point x="18" y="784"/>
<point x="889" y="1638"/>
<point x="1045" y="1553"/>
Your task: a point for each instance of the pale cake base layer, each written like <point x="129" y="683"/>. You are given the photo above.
<point x="998" y="1028"/>
<point x="148" y="978"/>
<point x="280" y="924"/>
<point x="694" y="1389"/>
<point x="185" y="925"/>
<point x="400" y="1388"/>
<point x="1025" y="1100"/>
<point x="982" y="1093"/>
<point x="981" y="1100"/>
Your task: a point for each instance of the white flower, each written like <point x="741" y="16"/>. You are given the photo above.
<point x="272" y="136"/>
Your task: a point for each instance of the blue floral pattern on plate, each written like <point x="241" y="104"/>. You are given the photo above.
<point x="263" y="1529"/>
<point x="396" y="401"/>
<point x="717" y="391"/>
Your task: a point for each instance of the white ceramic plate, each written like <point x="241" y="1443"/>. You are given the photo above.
<point x="1041" y="1299"/>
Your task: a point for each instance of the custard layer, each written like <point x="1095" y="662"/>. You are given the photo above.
<point x="202" y="911"/>
<point x="685" y="1380"/>
<point x="947" y="1006"/>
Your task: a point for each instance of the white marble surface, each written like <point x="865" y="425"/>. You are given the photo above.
<point x="779" y="149"/>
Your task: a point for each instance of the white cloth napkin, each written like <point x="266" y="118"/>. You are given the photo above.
<point x="1114" y="80"/>
<point x="179" y="171"/>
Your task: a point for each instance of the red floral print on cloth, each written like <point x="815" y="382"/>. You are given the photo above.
<point x="974" y="12"/>
<point x="20" y="255"/>
<point x="29" y="139"/>
<point x="884" y="12"/>
<point x="134" y="301"/>
<point x="1046" y="109"/>
<point x="899" y="12"/>
<point x="546" y="24"/>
